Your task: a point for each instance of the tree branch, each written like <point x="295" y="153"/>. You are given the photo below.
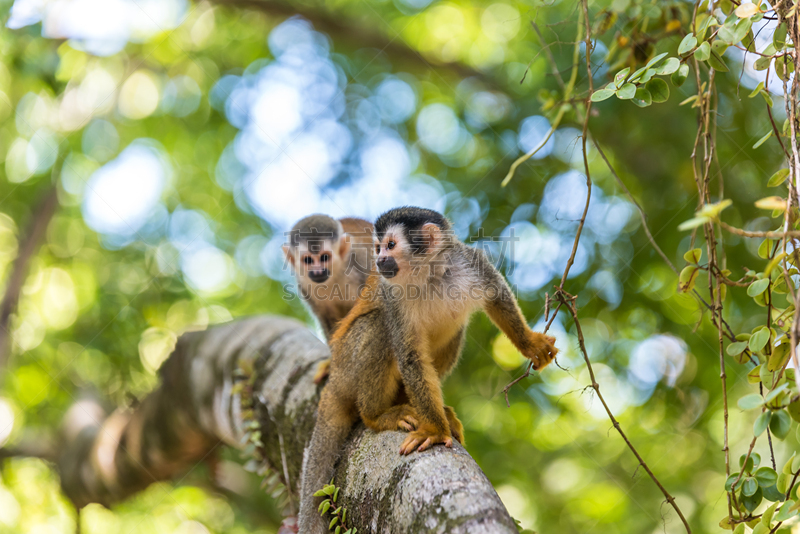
<point x="27" y="249"/>
<point x="248" y="384"/>
<point x="328" y="21"/>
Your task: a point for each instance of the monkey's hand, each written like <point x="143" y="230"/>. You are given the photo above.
<point x="323" y="370"/>
<point x="456" y="428"/>
<point x="424" y="438"/>
<point x="540" y="349"/>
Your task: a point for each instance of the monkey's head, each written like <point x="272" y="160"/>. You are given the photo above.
<point x="316" y="248"/>
<point x="407" y="240"/>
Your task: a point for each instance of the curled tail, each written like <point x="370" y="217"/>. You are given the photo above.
<point x="334" y="422"/>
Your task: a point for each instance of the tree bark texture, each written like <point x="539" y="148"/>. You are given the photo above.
<point x="248" y="384"/>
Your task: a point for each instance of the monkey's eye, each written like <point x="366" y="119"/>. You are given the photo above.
<point x="390" y="245"/>
<point x="377" y="249"/>
<point x="308" y="260"/>
<point x="324" y="258"/>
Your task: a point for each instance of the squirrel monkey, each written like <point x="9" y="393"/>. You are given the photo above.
<point x="404" y="335"/>
<point x="331" y="261"/>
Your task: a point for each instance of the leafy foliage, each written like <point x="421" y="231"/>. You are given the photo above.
<point x="101" y="313"/>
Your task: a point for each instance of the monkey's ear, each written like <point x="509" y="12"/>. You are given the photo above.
<point x="344" y="245"/>
<point x="287" y="250"/>
<point x="431" y="236"/>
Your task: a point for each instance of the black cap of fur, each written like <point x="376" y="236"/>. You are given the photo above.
<point x="412" y="219"/>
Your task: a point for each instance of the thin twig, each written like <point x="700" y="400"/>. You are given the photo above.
<point x="28" y="247"/>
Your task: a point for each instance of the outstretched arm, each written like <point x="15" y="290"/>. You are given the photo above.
<point x="501" y="306"/>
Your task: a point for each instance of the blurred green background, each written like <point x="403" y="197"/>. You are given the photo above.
<point x="183" y="139"/>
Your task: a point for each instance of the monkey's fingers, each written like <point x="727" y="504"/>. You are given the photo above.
<point x="410" y="444"/>
<point x="448" y="442"/>
<point x="408" y="423"/>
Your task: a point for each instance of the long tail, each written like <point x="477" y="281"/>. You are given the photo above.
<point x="330" y="432"/>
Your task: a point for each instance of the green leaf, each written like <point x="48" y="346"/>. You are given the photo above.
<point x="736" y="348"/>
<point x="749" y="41"/>
<point x="759" y="339"/>
<point x="766" y="476"/>
<point x="746" y="10"/>
<point x="693" y="256"/>
<point x="751" y="401"/>
<point x="687" y="278"/>
<point x="726" y="33"/>
<point x="659" y="89"/>
<point x="714" y="209"/>
<point x="730" y="480"/>
<point x="653" y="62"/>
<point x="756" y="459"/>
<point x="774" y="262"/>
<point x="636" y="75"/>
<point x="749" y="486"/>
<point x="768" y="378"/>
<point x="687" y="44"/>
<point x="787" y="467"/>
<point x="761" y="423"/>
<point x="754" y="376"/>
<point x="716" y="62"/>
<point x="780" y="424"/>
<point x="703" y="52"/>
<point x="670" y="66"/>
<point x="757" y="287"/>
<point x="778" y="178"/>
<point x="755" y="91"/>
<point x="775" y="392"/>
<point x="626" y="92"/>
<point x="693" y="223"/>
<point x="783" y="68"/>
<point x="765" y="248"/>
<point x="786" y="512"/>
<point x="642" y="98"/>
<point x="762" y="63"/>
<point x="602" y="94"/>
<point x="719" y="47"/>
<point x="741" y="30"/>
<point x="794" y="411"/>
<point x="779" y="36"/>
<point x="750" y="463"/>
<point x="649" y="73"/>
<point x="333" y="522"/>
<point x="763" y="139"/>
<point x="621" y="76"/>
<point x="679" y="77"/>
<point x="783" y="483"/>
<point x="752" y="502"/>
<point x="325" y="506"/>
